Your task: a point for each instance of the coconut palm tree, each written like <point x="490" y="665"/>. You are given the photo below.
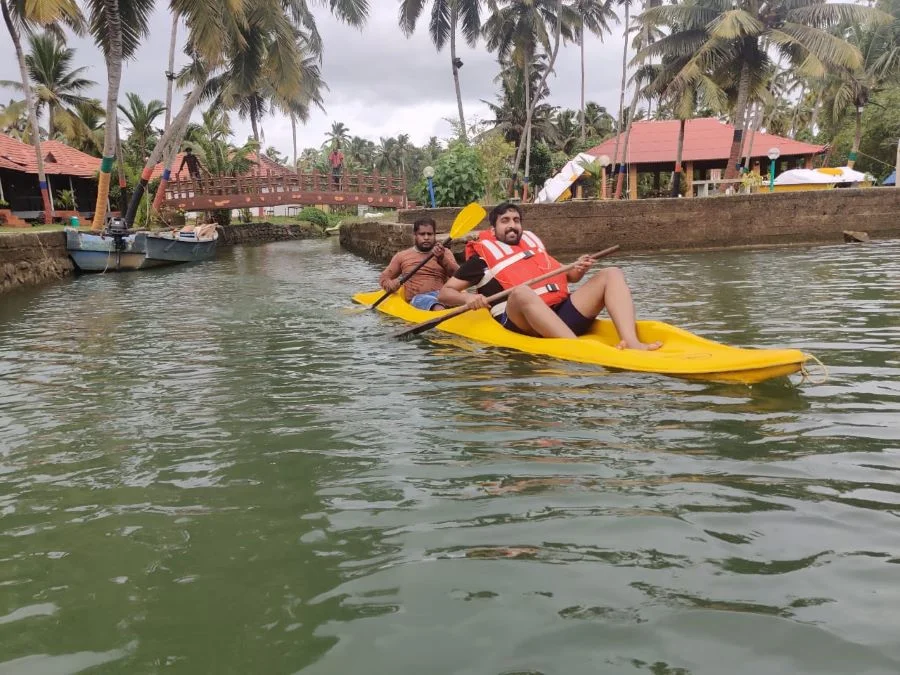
<point x="599" y="122"/>
<point x="446" y="16"/>
<point x="118" y="27"/>
<point x="519" y="30"/>
<point x="510" y="110"/>
<point x="217" y="30"/>
<point x="339" y="134"/>
<point x="25" y="15"/>
<point x="82" y="126"/>
<point x="738" y="37"/>
<point x="845" y="88"/>
<point x="14" y="120"/>
<point x="56" y="85"/>
<point x="594" y="16"/>
<point x="141" y="117"/>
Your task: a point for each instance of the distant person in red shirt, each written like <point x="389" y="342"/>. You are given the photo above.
<point x="336" y="159"/>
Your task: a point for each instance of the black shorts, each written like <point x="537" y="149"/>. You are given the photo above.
<point x="577" y="322"/>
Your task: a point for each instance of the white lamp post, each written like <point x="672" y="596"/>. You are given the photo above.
<point x="774" y="153"/>
<point x="604" y="162"/>
<point x="428" y="172"/>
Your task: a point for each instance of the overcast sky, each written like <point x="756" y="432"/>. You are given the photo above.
<point x="380" y="83"/>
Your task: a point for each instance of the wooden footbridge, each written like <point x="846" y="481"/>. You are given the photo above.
<point x="302" y="189"/>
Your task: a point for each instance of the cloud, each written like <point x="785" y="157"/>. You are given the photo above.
<point x="381" y="83"/>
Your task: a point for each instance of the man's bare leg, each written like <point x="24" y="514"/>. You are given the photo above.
<point x="608" y="288"/>
<point x="532" y="315"/>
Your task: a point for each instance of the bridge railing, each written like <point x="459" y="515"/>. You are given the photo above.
<point x="313" y="182"/>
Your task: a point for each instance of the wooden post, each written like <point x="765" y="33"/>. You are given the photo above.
<point x="688" y="179"/>
<point x="632" y="181"/>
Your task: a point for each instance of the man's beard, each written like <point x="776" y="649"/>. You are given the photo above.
<point x="424" y="248"/>
<point x="518" y="237"/>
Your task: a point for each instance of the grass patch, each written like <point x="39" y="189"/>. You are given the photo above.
<point x="26" y="230"/>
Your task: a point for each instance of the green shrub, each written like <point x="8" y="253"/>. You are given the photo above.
<point x="459" y="176"/>
<point x="315" y="216"/>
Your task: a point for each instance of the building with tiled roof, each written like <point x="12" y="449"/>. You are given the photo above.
<point x="653" y="146"/>
<point x="66" y="169"/>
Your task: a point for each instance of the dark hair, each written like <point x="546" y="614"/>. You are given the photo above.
<point x="187" y="149"/>
<point x="424" y="221"/>
<point x="502" y="208"/>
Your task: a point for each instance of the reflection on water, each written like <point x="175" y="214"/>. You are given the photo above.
<point x="225" y="468"/>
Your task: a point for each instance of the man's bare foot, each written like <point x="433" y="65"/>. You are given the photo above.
<point x="644" y="346"/>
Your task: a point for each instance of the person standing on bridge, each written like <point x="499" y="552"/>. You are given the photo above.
<point x="336" y="159"/>
<point x="193" y="165"/>
<point x="421" y="290"/>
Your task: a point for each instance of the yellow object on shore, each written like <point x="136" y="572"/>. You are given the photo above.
<point x="683" y="354"/>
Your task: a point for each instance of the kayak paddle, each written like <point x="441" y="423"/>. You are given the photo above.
<point x="497" y="297"/>
<point x="465" y="220"/>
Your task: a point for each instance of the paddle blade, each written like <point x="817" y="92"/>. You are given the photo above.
<point x="466" y="219"/>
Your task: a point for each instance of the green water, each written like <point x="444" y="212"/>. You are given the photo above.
<point x="220" y="469"/>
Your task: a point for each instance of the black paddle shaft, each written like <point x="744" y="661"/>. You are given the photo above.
<point x="406" y="277"/>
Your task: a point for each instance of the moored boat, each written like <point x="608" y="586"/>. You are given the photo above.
<point x="94" y="252"/>
<point x="683" y="354"/>
<point x="184" y="245"/>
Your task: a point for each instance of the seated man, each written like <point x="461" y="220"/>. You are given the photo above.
<point x="422" y="289"/>
<point x="506" y="256"/>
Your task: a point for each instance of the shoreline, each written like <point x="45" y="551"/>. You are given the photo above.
<point x="29" y="259"/>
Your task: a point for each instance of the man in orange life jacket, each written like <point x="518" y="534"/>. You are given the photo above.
<point x="506" y="255"/>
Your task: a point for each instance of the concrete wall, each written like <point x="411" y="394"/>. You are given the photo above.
<point x="28" y="259"/>
<point x="674" y="224"/>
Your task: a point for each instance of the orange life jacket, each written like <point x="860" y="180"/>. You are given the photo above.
<point x="513" y="265"/>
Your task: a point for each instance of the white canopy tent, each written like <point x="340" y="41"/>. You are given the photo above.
<point x="556" y="187"/>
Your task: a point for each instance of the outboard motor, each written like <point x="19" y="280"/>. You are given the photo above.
<point x="118" y="230"/>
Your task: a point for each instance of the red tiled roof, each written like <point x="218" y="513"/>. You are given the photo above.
<point x="59" y="158"/>
<point x="706" y="138"/>
<point x="268" y="166"/>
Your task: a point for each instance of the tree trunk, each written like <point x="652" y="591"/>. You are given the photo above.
<point x="169" y="156"/>
<point x="676" y="179"/>
<point x="621" y="123"/>
<point x="32" y="113"/>
<point x="170" y="138"/>
<point x="754" y="127"/>
<point x="51" y="120"/>
<point x="170" y="84"/>
<point x="123" y="183"/>
<point x="454" y="13"/>
<point x="814" y="117"/>
<point x="527" y="139"/>
<point x="583" y="134"/>
<point x="734" y="156"/>
<point x="294" y="138"/>
<point x="114" y="74"/>
<point x="530" y="106"/>
<point x="620" y="178"/>
<point x="851" y="161"/>
<point x="797" y="110"/>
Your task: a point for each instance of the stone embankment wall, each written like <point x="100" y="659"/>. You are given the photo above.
<point x="29" y="259"/>
<point x="254" y="233"/>
<point x="673" y="224"/>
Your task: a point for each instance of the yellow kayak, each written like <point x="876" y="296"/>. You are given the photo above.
<point x="683" y="354"/>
